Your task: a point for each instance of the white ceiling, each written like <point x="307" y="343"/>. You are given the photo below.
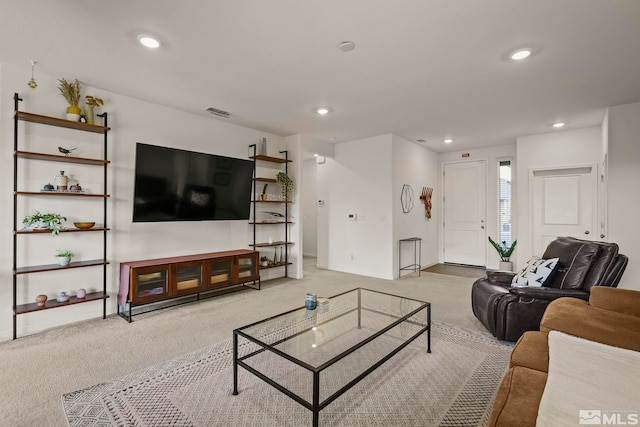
<point x="422" y="69"/>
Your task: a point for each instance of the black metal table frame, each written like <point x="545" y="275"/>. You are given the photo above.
<point x="417" y="255"/>
<point x="316" y="406"/>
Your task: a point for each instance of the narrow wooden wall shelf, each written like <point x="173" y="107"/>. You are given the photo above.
<point x="59" y="194"/>
<point x="64" y="230"/>
<point x="54" y="121"/>
<point x="57" y="267"/>
<point x="52" y="303"/>
<point x="270" y="159"/>
<point x="59" y="158"/>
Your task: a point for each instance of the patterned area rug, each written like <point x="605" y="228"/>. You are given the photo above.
<point x="453" y="386"/>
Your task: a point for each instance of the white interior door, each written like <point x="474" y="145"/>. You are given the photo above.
<point x="465" y="233"/>
<point x="564" y="203"/>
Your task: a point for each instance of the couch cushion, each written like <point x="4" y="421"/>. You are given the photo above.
<point x="537" y="272"/>
<point x="518" y="398"/>
<point x="576" y="259"/>
<point x="625" y="301"/>
<point x="578" y="318"/>
<point x="531" y="351"/>
<point x="585" y="375"/>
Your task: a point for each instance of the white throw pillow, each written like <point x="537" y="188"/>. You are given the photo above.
<point x="537" y="272"/>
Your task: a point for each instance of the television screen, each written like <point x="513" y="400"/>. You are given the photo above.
<point x="180" y="185"/>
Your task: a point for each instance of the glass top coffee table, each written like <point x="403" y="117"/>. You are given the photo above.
<point x="314" y="356"/>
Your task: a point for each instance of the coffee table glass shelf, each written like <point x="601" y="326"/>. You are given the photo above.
<point x="314" y="356"/>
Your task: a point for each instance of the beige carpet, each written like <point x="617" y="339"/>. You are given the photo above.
<point x="38" y="369"/>
<point x="452" y="386"/>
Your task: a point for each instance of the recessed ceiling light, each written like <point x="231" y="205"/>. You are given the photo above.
<point x="323" y="111"/>
<point x="448" y="141"/>
<point x="148" y="41"/>
<point x="520" y="54"/>
<point x="347" y="46"/>
<point x="558" y="125"/>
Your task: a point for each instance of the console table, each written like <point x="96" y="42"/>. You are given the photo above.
<point x="154" y="280"/>
<point x="417" y="255"/>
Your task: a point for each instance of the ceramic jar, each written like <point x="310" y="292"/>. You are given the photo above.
<point x="41" y="300"/>
<point x="63" y="297"/>
<point x="61" y="181"/>
<point x="81" y="293"/>
<point x="311" y="301"/>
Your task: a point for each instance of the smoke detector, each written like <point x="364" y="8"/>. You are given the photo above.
<point x="217" y="112"/>
<point x="347" y="46"/>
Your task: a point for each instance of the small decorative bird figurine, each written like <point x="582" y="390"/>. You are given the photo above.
<point x="65" y="151"/>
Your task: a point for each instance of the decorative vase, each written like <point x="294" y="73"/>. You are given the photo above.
<point x="41" y="300"/>
<point x="62" y="181"/>
<point x="88" y="114"/>
<point x="506" y="265"/>
<point x="73" y="113"/>
<point x="63" y="297"/>
<point x="263" y="147"/>
<point x="81" y="293"/>
<point x="64" y="260"/>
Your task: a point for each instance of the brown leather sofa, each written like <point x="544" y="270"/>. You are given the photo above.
<point x="507" y="312"/>
<point x="612" y="317"/>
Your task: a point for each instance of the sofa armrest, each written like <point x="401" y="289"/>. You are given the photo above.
<point x="549" y="294"/>
<point x="502" y="277"/>
<point x="624" y="301"/>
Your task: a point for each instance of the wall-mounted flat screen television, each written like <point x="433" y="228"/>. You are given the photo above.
<point x="179" y="185"/>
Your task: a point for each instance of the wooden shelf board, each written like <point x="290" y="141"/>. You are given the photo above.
<point x="54" y="121"/>
<point x="54" y="267"/>
<point x="271" y="201"/>
<point x="59" y="193"/>
<point x="266" y="245"/>
<point x="270" y="159"/>
<point x="64" y="230"/>
<point x="280" y="264"/>
<point x="270" y="222"/>
<point x="60" y="158"/>
<point x="52" y="303"/>
<point x="273" y="180"/>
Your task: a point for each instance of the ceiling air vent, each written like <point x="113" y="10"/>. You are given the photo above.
<point x="421" y="141"/>
<point x="217" y="112"/>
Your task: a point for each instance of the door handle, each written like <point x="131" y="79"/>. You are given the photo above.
<point x="602" y="236"/>
<point x="482" y="226"/>
<point x="586" y="232"/>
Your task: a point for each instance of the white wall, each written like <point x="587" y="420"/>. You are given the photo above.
<point x="556" y="149"/>
<point x="357" y="181"/>
<point x="492" y="155"/>
<point x="417" y="167"/>
<point x="623" y="176"/>
<point x="310" y="209"/>
<point x="131" y="121"/>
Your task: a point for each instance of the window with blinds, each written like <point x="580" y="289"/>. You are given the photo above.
<point x="504" y="202"/>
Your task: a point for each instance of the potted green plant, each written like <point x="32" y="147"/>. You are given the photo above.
<point x="286" y="185"/>
<point x="49" y="221"/>
<point x="64" y="257"/>
<point x="505" y="253"/>
<point x="71" y="92"/>
<point x="264" y="261"/>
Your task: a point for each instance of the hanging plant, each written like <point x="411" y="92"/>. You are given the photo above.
<point x="285" y="183"/>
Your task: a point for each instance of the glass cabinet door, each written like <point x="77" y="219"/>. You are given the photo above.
<point x="150" y="283"/>
<point x="220" y="271"/>
<point x="189" y="277"/>
<point x="247" y="267"/>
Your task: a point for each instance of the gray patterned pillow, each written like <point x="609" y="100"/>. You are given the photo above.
<point x="537" y="272"/>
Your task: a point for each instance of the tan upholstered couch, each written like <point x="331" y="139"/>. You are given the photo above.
<point x="612" y="316"/>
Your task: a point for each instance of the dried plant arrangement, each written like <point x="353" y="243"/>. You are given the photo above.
<point x="70" y="91"/>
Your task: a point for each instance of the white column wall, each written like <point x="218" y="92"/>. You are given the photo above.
<point x="357" y="181"/>
<point x="132" y="121"/>
<point x="623" y="175"/>
<point x="417" y="167"/>
<point x="310" y="208"/>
